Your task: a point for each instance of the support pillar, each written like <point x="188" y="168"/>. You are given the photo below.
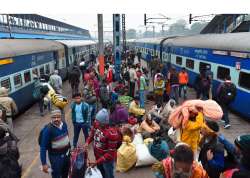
<point x="100" y="44"/>
<point x="116" y="44"/>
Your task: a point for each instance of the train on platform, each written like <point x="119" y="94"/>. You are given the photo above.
<point x="226" y="54"/>
<point x="24" y="60"/>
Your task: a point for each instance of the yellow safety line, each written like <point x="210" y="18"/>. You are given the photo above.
<point x="27" y="170"/>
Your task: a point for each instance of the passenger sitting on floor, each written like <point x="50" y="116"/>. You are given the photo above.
<point x="148" y="126"/>
<point x="168" y="108"/>
<point x="134" y="108"/>
<point x="156" y="112"/>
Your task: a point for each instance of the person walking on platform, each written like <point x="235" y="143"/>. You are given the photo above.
<point x="80" y="119"/>
<point x="106" y="139"/>
<point x="56" y="82"/>
<point x="149" y="60"/>
<point x="92" y="58"/>
<point x="139" y="56"/>
<point x="9" y="104"/>
<point x="226" y="94"/>
<point x="174" y="84"/>
<point x="44" y="102"/>
<point x="90" y="98"/>
<point x="133" y="79"/>
<point x="209" y="75"/>
<point x="54" y="139"/>
<point x="74" y="80"/>
<point x="183" y="81"/>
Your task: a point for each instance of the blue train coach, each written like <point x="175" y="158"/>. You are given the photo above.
<point x="23" y="59"/>
<point x="227" y="54"/>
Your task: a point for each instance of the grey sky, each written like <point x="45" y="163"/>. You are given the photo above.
<point x="136" y="21"/>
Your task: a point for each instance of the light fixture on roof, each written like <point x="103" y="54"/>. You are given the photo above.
<point x="239" y="54"/>
<point x="220" y="52"/>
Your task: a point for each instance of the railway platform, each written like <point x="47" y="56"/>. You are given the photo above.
<point x="28" y="125"/>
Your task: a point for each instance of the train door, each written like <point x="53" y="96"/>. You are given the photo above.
<point x="154" y="52"/>
<point x="56" y="60"/>
<point x="168" y="54"/>
<point x="74" y="53"/>
<point x="67" y="56"/>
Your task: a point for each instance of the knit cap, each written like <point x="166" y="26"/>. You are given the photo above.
<point x="102" y="116"/>
<point x="55" y="113"/>
<point x="243" y="142"/>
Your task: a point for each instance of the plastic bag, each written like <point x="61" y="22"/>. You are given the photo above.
<point x="93" y="173"/>
<point x="144" y="158"/>
<point x="174" y="134"/>
<point x="147" y="141"/>
<point x="138" y="139"/>
<point x="126" y="157"/>
<point x="78" y="163"/>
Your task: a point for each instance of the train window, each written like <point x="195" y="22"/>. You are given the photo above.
<point x="6" y="83"/>
<point x="27" y="77"/>
<point x="18" y="80"/>
<point x="222" y="72"/>
<point x="47" y="69"/>
<point x="178" y="60"/>
<point x="244" y="80"/>
<point x="41" y="71"/>
<point x="203" y="66"/>
<point x="190" y="63"/>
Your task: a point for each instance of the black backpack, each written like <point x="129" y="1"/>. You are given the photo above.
<point x="104" y="94"/>
<point x="49" y="126"/>
<point x="227" y="93"/>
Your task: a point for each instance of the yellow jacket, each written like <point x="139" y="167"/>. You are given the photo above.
<point x="191" y="133"/>
<point x="135" y="109"/>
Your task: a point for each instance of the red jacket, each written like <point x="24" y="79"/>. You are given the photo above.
<point x="106" y="141"/>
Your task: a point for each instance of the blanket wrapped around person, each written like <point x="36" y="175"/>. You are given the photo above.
<point x="210" y="109"/>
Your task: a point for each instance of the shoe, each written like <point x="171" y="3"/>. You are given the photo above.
<point x="227" y="126"/>
<point x="222" y="121"/>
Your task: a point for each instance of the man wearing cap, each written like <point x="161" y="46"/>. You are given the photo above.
<point x="106" y="140"/>
<point x="240" y="152"/>
<point x="54" y="138"/>
<point x="56" y="82"/>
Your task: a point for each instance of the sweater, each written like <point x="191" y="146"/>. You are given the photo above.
<point x="54" y="140"/>
<point x="106" y="142"/>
